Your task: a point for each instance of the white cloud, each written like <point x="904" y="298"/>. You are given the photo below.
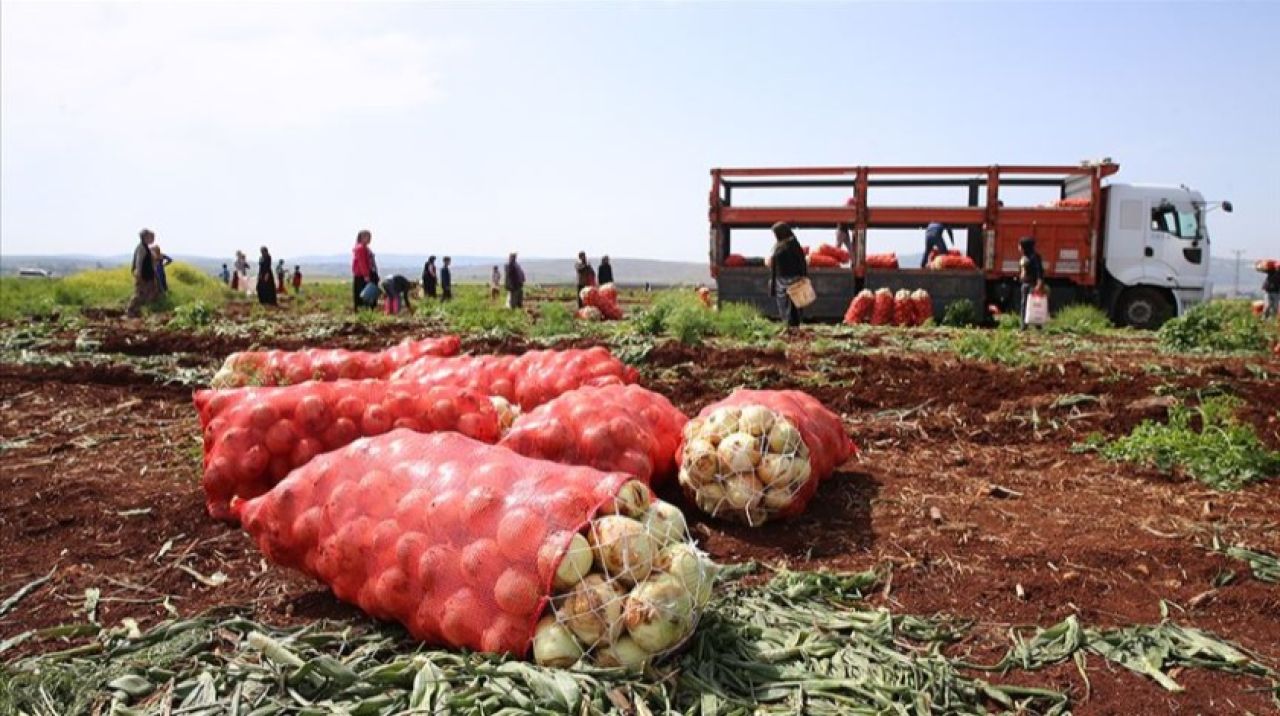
<point x="140" y="68"/>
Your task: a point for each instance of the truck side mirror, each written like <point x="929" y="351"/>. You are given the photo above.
<point x="1227" y="207"/>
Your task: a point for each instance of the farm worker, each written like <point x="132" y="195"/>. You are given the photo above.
<point x="606" y="271"/>
<point x="786" y="266"/>
<point x="1030" y="273"/>
<point x="446" y="280"/>
<point x="361" y="266"/>
<point x="280" y="275"/>
<point x="297" y="279"/>
<point x="225" y="275"/>
<point x="495" y="284"/>
<point x="266" y="281"/>
<point x="240" y="277"/>
<point x="514" y="281"/>
<point x="933" y="241"/>
<point x="143" y="269"/>
<point x="586" y="274"/>
<point x="429" y="278"/>
<point x="843" y="239"/>
<point x="160" y="260"/>
<point x="397" y="290"/>
<point x="1271" y="287"/>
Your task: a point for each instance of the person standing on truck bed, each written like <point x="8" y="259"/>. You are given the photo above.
<point x="933" y="241"/>
<point x="843" y="239"/>
<point x="1271" y="288"/>
<point x="786" y="266"/>
<point x="586" y="274"/>
<point x="1030" y="273"/>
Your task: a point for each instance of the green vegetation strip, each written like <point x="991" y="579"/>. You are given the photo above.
<point x="1206" y="442"/>
<point x="799" y="643"/>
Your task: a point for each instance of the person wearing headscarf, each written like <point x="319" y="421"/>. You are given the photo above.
<point x="143" y="270"/>
<point x="586" y="274"/>
<point x="362" y="271"/>
<point x="786" y="266"/>
<point x="266" y="280"/>
<point x="1030" y="273"/>
<point x="606" y="271"/>
<point x="161" y="259"/>
<point x="429" y="278"/>
<point x="514" y="281"/>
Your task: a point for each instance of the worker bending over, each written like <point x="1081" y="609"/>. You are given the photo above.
<point x="933" y="241"/>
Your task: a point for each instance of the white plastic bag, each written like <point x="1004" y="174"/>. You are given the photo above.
<point x="1037" y="309"/>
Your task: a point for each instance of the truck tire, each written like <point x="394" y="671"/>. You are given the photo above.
<point x="1144" y="307"/>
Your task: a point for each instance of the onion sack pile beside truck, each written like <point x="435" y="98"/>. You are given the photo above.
<point x="1140" y="253"/>
<point x="549" y="544"/>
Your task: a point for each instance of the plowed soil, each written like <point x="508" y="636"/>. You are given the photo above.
<point x="966" y="491"/>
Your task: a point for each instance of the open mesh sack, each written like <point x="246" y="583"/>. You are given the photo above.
<point x="473" y="546"/>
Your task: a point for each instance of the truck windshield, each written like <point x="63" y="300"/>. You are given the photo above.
<point x="1176" y="221"/>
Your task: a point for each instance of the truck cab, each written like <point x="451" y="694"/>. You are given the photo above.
<point x="1156" y="253"/>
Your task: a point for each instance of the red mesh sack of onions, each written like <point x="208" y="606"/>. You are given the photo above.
<point x="527" y="380"/>
<point x="860" y="308"/>
<point x="615" y="429"/>
<point x="904" y="310"/>
<point x="268" y="368"/>
<point x="589" y="313"/>
<point x="473" y="546"/>
<point x="923" y="306"/>
<point x="758" y="455"/>
<point x="608" y="303"/>
<point x="254" y="437"/>
<point x="882" y="308"/>
<point x="882" y="261"/>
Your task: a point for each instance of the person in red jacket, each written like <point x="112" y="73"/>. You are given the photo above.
<point x="361" y="266"/>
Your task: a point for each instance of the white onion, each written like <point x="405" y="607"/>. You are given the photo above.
<point x="593" y="611"/>
<point x="658" y="613"/>
<point x="554" y="645"/>
<point x="784" y="438"/>
<point x="773" y="468"/>
<point x="665" y="523"/>
<point x="700" y="460"/>
<point x="693" y="428"/>
<point x="632" y="500"/>
<point x="755" y="420"/>
<point x="710" y="498"/>
<point x="623" y="547"/>
<point x="739" y="452"/>
<point x="742" y="491"/>
<point x="777" y="498"/>
<point x="575" y="565"/>
<point x="691" y="568"/>
<point x="721" y="424"/>
<point x="624" y="653"/>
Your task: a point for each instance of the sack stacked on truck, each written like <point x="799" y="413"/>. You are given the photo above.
<point x="268" y="368"/>
<point x="839" y="254"/>
<point x="613" y="429"/>
<point x="473" y="546"/>
<point x="527" y="380"/>
<point x="953" y="260"/>
<point x="882" y="261"/>
<point x="860" y="308"/>
<point x="253" y="437"/>
<point x="759" y="454"/>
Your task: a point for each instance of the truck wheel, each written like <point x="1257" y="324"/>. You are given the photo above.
<point x="1145" y="308"/>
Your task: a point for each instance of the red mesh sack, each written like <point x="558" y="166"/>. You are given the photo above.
<point x="735" y="260"/>
<point x="840" y="254"/>
<point x="607" y="302"/>
<point x="615" y="429"/>
<point x="904" y="310"/>
<point x="529" y="380"/>
<point x="760" y="454"/>
<point x="823" y="261"/>
<point x="704" y="295"/>
<point x="253" y="437"/>
<point x="465" y="544"/>
<point x="589" y="313"/>
<point x="923" y="306"/>
<point x="882" y="308"/>
<point x="859" y="310"/>
<point x="882" y="261"/>
<point x="1072" y="203"/>
<point x="1266" y="265"/>
<point x="268" y="368"/>
<point x="952" y="262"/>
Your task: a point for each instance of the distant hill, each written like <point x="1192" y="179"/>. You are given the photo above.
<point x="476" y="268"/>
<point x="465" y="268"/>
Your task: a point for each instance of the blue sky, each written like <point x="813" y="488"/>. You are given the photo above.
<point x="479" y="129"/>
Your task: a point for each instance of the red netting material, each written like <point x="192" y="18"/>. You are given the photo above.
<point x="820" y="430"/>
<point x="529" y="379"/>
<point x="817" y="260"/>
<point x="268" y="368"/>
<point x="882" y="261"/>
<point x="923" y="306"/>
<point x="882" y="308"/>
<point x="904" y="309"/>
<point x="840" y="254"/>
<point x="860" y="308"/>
<point x="952" y="261"/>
<point x="615" y="429"/>
<point x="455" y="539"/>
<point x="253" y="437"/>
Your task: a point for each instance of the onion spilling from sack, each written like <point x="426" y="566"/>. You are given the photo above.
<point x="744" y="464"/>
<point x="628" y="590"/>
<point x="507" y="412"/>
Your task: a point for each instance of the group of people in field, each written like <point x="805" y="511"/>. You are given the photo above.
<point x="269" y="286"/>
<point x="148" y="270"/>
